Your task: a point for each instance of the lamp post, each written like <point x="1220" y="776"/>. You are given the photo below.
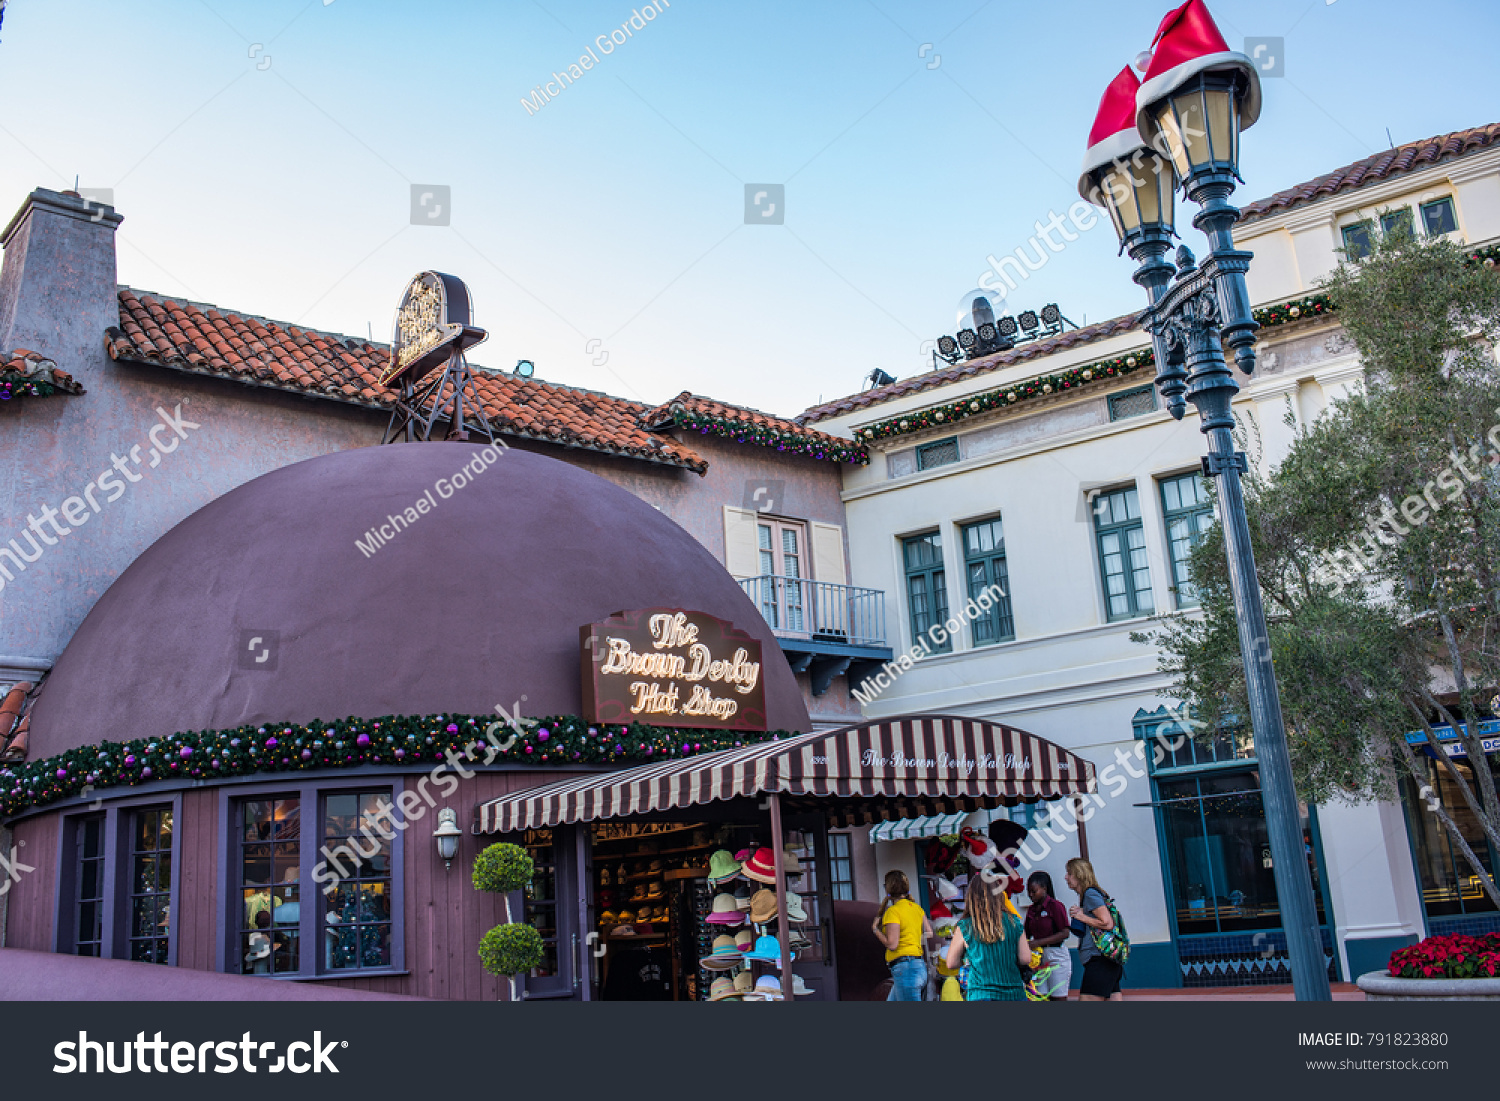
<point x="1183" y="123"/>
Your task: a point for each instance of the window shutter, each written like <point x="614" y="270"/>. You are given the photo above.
<point x="741" y="546"/>
<point x="828" y="553"/>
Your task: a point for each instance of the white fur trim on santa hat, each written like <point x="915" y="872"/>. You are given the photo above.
<point x="1117" y="147"/>
<point x="1165" y="83"/>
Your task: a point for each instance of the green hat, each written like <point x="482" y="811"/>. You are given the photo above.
<point x="722" y="865"/>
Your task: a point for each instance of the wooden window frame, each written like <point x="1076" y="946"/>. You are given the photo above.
<point x="312" y="793"/>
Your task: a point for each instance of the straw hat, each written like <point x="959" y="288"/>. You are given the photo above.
<point x="744" y="982"/>
<point x="767" y="989"/>
<point x="790" y="864"/>
<point x="723" y="989"/>
<point x="725" y="912"/>
<point x="744" y="940"/>
<point x="800" y="988"/>
<point x="763" y="906"/>
<point x="794" y="910"/>
<point x="725" y="954"/>
<point x="722" y="866"/>
<point x="760" y="866"/>
<point x="742" y="895"/>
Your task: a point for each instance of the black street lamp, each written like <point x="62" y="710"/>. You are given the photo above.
<point x="1183" y="124"/>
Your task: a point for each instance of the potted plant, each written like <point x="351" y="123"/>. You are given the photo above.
<point x="507" y="949"/>
<point x="511" y="950"/>
<point x="1446" y="968"/>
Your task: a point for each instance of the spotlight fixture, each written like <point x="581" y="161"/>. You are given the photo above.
<point x="947" y="347"/>
<point x="525" y="368"/>
<point x="878" y="377"/>
<point x="983" y="334"/>
<point x="1008" y="327"/>
<point x="967" y="339"/>
<point x="1051" y="315"/>
<point x="1028" y="321"/>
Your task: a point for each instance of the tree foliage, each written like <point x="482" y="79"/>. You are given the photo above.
<point x="1377" y="541"/>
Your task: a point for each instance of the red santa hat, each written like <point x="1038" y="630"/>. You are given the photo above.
<point x="1187" y="43"/>
<point x="1114" y="136"/>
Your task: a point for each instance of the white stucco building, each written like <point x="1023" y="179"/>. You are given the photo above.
<point x="1081" y="499"/>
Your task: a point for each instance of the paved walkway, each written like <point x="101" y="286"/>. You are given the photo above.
<point x="1342" y="992"/>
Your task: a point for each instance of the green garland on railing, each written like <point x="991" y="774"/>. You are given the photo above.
<point x="417" y="741"/>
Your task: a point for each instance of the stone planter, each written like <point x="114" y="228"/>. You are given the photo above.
<point x="1381" y="986"/>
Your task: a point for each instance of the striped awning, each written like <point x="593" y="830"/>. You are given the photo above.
<point x="909" y="829"/>
<point x="889" y="769"/>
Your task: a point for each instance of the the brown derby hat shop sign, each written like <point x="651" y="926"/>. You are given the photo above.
<point x="432" y="322"/>
<point x="671" y="667"/>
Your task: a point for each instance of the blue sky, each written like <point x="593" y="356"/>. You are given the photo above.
<point x="612" y="219"/>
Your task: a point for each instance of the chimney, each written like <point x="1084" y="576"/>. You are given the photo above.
<point x="58" y="289"/>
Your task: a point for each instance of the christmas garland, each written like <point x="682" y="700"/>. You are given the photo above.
<point x="13" y="384"/>
<point x="741" y="431"/>
<point x="557" y="741"/>
<point x="940" y="416"/>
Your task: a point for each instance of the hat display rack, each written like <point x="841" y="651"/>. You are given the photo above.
<point x="740" y="921"/>
<point x="647" y="879"/>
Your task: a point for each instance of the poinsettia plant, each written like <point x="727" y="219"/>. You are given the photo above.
<point x="1450" y="957"/>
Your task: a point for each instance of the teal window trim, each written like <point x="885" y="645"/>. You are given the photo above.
<point x="1193" y="521"/>
<point x="984" y="566"/>
<point x="926" y="587"/>
<point x="1445" y="203"/>
<point x="1397" y="221"/>
<point x="1357" y="242"/>
<point x="926" y="449"/>
<point x="1115" y="400"/>
<point x="1406" y="787"/>
<point x="1122" y="539"/>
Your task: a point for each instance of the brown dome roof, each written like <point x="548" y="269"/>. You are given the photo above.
<point x="478" y="603"/>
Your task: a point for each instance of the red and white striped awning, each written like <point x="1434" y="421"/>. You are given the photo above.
<point x="869" y="772"/>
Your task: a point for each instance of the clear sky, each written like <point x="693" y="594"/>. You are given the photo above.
<point x="264" y="152"/>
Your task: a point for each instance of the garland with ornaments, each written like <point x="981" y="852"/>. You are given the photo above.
<point x="13" y="384"/>
<point x="556" y="741"/>
<point x="741" y="431"/>
<point x="940" y="416"/>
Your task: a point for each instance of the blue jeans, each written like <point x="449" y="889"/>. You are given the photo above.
<point x="910" y="980"/>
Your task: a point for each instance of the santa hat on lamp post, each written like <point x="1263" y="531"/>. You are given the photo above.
<point x="1187" y="43"/>
<point x="1114" y="136"/>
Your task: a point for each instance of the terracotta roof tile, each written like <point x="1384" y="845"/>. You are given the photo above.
<point x="688" y="408"/>
<point x="171" y="333"/>
<point x="957" y="372"/>
<point x="1391" y="162"/>
<point x="24" y="365"/>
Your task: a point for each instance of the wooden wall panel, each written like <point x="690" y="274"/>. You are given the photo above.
<point x="198" y="888"/>
<point x="32" y="901"/>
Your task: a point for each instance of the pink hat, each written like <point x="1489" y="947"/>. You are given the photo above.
<point x="1114" y="136"/>
<point x="1187" y="43"/>
<point x="725" y="912"/>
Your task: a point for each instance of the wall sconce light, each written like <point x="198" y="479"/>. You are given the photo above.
<point x="446" y="835"/>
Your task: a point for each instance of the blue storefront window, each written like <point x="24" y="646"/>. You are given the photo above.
<point x="1215" y="851"/>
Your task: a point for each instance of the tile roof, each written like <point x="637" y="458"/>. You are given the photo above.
<point x="35" y="367"/>
<point x="957" y="372"/>
<point x="1391" y="162"/>
<point x="690" y="410"/>
<point x="189" y="336"/>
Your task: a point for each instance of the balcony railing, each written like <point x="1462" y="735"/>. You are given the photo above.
<point x="819" y="611"/>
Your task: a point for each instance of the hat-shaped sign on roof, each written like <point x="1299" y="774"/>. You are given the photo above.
<point x="1114" y="136"/>
<point x="1187" y="43"/>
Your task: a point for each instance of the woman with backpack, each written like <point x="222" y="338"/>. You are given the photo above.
<point x="992" y="939"/>
<point x="1096" y="913"/>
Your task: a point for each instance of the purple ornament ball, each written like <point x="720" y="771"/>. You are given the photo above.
<point x="363" y="739"/>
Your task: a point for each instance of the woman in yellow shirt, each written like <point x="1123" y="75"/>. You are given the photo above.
<point x="904" y="930"/>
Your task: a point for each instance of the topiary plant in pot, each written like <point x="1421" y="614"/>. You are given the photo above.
<point x="511" y="950"/>
<point x="503" y="868"/>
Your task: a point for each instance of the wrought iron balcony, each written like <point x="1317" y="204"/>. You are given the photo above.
<point x="819" y="611"/>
